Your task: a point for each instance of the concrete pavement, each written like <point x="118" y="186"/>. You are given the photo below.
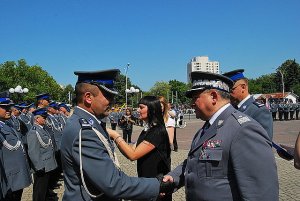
<point x="284" y="132"/>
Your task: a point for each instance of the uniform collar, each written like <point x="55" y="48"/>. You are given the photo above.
<point x="89" y="114"/>
<point x="217" y="114"/>
<point x="243" y="101"/>
<point x="38" y="125"/>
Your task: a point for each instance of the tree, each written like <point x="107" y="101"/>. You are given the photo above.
<point x="67" y="94"/>
<point x="291" y="75"/>
<point x="263" y="84"/>
<point x="34" y="78"/>
<point x="160" y="89"/>
<point x="179" y="88"/>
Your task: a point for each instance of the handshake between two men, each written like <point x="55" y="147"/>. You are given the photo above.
<point x="167" y="185"/>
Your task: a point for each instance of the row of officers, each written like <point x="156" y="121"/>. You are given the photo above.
<point x="30" y="140"/>
<point x="285" y="110"/>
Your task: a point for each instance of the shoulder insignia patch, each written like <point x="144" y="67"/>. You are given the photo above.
<point x="240" y="117"/>
<point x="243" y="119"/>
<point x="258" y="104"/>
<point x="85" y="124"/>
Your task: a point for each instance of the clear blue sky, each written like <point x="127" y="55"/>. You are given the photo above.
<point x="158" y="37"/>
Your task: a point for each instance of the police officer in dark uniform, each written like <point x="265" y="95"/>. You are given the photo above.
<point x="222" y="161"/>
<point x="14" y="158"/>
<point x="286" y="110"/>
<point x="114" y="118"/>
<point x="26" y="119"/>
<point x="63" y="115"/>
<point x="280" y="110"/>
<point x="3" y="179"/>
<point x="16" y="123"/>
<point x="241" y="98"/>
<point x="54" y="125"/>
<point x="31" y="108"/>
<point x="274" y="109"/>
<point x="297" y="110"/>
<point x="292" y="110"/>
<point x="42" y="156"/>
<point x="53" y="122"/>
<point x="43" y="101"/>
<point x="91" y="169"/>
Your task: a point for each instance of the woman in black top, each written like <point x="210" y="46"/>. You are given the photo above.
<point x="152" y="152"/>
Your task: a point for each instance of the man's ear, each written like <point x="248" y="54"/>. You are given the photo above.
<point x="87" y="98"/>
<point x="214" y="96"/>
<point x="243" y="86"/>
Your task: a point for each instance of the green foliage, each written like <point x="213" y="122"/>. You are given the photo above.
<point x="160" y="89"/>
<point x="173" y="91"/>
<point x="66" y="92"/>
<point x="296" y="89"/>
<point x="264" y="84"/>
<point x="272" y="83"/>
<point x="34" y="78"/>
<point x="291" y="74"/>
<point x="180" y="88"/>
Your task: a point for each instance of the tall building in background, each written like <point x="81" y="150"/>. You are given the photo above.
<point x="202" y="63"/>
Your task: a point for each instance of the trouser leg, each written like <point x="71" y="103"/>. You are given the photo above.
<point x="14" y="195"/>
<point x="125" y="135"/>
<point x="55" y="175"/>
<point x="129" y="134"/>
<point x="113" y="126"/>
<point x="40" y="186"/>
<point x="175" y="141"/>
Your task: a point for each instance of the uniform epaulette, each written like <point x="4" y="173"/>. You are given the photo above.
<point x="258" y="104"/>
<point x="241" y="118"/>
<point x="85" y="124"/>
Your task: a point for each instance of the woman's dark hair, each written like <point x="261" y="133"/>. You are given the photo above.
<point x="154" y="114"/>
<point x="129" y="109"/>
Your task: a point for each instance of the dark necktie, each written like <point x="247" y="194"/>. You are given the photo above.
<point x="103" y="125"/>
<point x="204" y="128"/>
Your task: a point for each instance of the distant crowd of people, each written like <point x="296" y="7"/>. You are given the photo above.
<point x="284" y="110"/>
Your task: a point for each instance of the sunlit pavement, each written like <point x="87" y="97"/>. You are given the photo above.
<point x="284" y="132"/>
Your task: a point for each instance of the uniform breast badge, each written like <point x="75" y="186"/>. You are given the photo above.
<point x="207" y="147"/>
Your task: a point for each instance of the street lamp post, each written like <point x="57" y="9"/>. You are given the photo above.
<point x="126" y="70"/>
<point x="19" y="90"/>
<point x="132" y="90"/>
